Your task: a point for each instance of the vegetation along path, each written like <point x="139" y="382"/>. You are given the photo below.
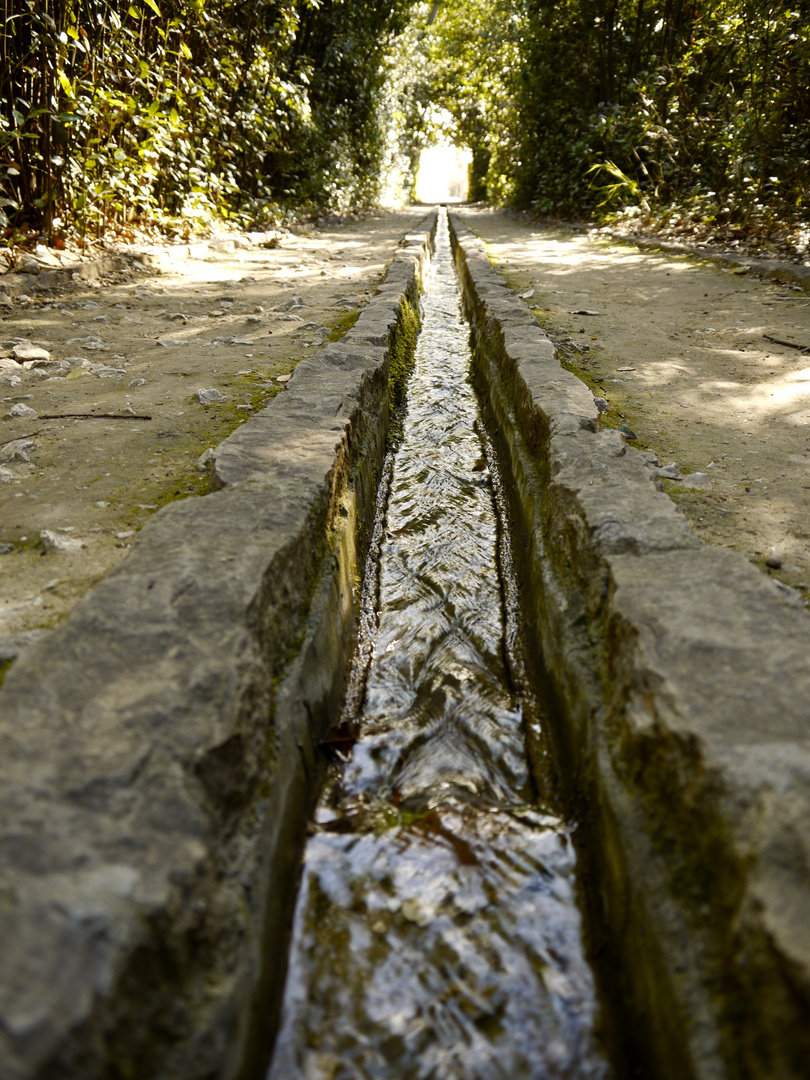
<point x="707" y="366"/>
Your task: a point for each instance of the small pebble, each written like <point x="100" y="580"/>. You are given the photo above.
<point x="201" y="463"/>
<point x="27" y="264"/>
<point x="20" y="410"/>
<point x="57" y="541"/>
<point x="207" y="395"/>
<point x="774" y="562"/>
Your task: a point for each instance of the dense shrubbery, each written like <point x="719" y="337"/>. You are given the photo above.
<point x="176" y="110"/>
<point x="702" y="109"/>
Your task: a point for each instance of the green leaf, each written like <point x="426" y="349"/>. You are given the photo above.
<point x="65" y="83"/>
<point x="153" y="6"/>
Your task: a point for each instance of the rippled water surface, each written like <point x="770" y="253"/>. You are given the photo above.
<point x="437" y="933"/>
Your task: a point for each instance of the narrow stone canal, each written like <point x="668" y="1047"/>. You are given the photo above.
<point x="437" y="933"/>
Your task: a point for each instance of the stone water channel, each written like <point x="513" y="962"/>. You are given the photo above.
<point x="437" y="932"/>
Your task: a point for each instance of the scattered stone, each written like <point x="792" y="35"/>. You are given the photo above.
<point x="45" y="256"/>
<point x="9" y="380"/>
<point x="58" y="541"/>
<point x="208" y="395"/>
<point x="672" y="471"/>
<point x="7" y="364"/>
<point x="94" y="344"/>
<point x="601" y="404"/>
<point x="586" y="311"/>
<point x="253" y="318"/>
<point x="216" y="313"/>
<point x="20" y="411"/>
<point x="134" y="383"/>
<point x="124" y="534"/>
<point x="168" y="343"/>
<point x="17" y="450"/>
<point x="293" y="302"/>
<point x="102" y="504"/>
<point x="526" y="295"/>
<point x="23" y="298"/>
<point x="283" y="378"/>
<point x="101" y="371"/>
<point x="179" y="317"/>
<point x="26" y="353"/>
<point x="47" y="367"/>
<point x="100" y="319"/>
<point x="27" y="264"/>
<point x="202" y="462"/>
<point x="626" y="431"/>
<point x="773" y="562"/>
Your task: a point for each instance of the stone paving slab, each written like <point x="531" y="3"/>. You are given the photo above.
<point x="682" y="678"/>
<point x="159" y="749"/>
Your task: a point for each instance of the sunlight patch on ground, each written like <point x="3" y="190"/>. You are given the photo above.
<point x="442" y="175"/>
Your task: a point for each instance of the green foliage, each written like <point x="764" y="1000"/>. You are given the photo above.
<point x="473" y="56"/>
<point x="703" y="107"/>
<point x="172" y="111"/>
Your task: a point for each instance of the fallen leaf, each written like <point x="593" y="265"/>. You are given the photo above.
<point x="339" y="741"/>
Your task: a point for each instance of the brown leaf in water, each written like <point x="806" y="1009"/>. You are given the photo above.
<point x="432" y="824"/>
<point x="339" y="741"/>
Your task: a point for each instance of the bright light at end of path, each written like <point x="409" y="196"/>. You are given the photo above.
<point x="442" y="175"/>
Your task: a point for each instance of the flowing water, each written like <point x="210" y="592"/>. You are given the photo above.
<point x="437" y="934"/>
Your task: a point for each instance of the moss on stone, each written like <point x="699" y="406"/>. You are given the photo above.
<point x="401" y="361"/>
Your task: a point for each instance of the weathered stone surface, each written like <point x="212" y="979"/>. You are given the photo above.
<point x="159" y="751"/>
<point x="21" y="411"/>
<point x="683" y="678"/>
<point x="25" y="353"/>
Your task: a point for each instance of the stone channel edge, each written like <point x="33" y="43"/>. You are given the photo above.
<point x="159" y="749"/>
<point x="681" y="677"/>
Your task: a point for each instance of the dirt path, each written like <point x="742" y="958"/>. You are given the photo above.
<point x="679" y="351"/>
<point x="167" y="364"/>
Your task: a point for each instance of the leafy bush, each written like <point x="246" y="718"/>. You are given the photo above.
<point x="173" y="111"/>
